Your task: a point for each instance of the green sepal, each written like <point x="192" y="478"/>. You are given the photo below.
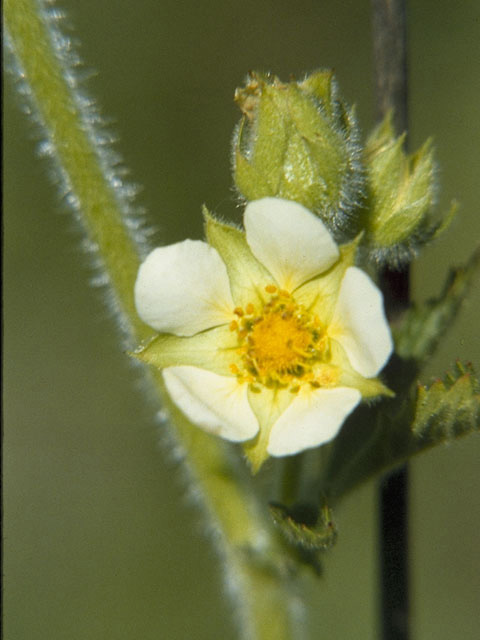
<point x="247" y="176"/>
<point x="214" y="350"/>
<point x="320" y="294"/>
<point x="248" y="277"/>
<point x="305" y="526"/>
<point x="423" y="326"/>
<point x="370" y="388"/>
<point x="271" y="138"/>
<point x="401" y="194"/>
<point x="267" y="404"/>
<point x="298" y="141"/>
<point x="322" y="86"/>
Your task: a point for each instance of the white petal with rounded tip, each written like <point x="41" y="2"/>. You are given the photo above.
<point x="215" y="403"/>
<point x="183" y="289"/>
<point x="313" y="418"/>
<point x="289" y="240"/>
<point x="359" y="323"/>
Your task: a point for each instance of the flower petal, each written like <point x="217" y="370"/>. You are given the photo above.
<point x="217" y="404"/>
<point x="359" y="323"/>
<point x="289" y="240"/>
<point x="313" y="418"/>
<point x="183" y="289"/>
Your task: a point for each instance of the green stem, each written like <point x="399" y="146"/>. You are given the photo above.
<point x="80" y="161"/>
<point x="253" y="556"/>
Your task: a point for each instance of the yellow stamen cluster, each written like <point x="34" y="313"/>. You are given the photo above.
<point x="280" y="343"/>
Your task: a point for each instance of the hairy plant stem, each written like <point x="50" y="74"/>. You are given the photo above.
<point x="257" y="574"/>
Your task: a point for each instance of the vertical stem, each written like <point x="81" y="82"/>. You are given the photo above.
<point x="390" y="60"/>
<point x="256" y="569"/>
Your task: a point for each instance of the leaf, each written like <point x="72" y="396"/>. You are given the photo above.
<point x="424" y="326"/>
<point x="449" y="408"/>
<point x="305" y="526"/>
<point x="376" y="439"/>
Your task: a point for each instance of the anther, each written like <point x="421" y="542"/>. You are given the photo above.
<point x="270" y="288"/>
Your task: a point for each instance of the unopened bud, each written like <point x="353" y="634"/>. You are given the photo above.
<point x="299" y="141"/>
<point x="401" y="195"/>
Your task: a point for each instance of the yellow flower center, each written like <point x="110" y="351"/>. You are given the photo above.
<point x="279" y="344"/>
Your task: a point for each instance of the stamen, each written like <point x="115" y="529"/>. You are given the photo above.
<point x="281" y="345"/>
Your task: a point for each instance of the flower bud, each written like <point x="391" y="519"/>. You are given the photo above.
<point x="401" y="195"/>
<point x="298" y="141"/>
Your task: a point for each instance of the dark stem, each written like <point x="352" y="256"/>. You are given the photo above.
<point x="390" y="64"/>
<point x="390" y="60"/>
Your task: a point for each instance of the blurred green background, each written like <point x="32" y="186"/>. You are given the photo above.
<point x="100" y="538"/>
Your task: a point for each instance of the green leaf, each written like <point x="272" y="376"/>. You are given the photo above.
<point x="378" y="438"/>
<point x="449" y="408"/>
<point x="305" y="526"/>
<point x="424" y="325"/>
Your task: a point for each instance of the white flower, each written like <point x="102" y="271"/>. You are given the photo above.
<point x="269" y="337"/>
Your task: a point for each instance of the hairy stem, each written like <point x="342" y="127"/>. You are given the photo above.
<point x="91" y="183"/>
